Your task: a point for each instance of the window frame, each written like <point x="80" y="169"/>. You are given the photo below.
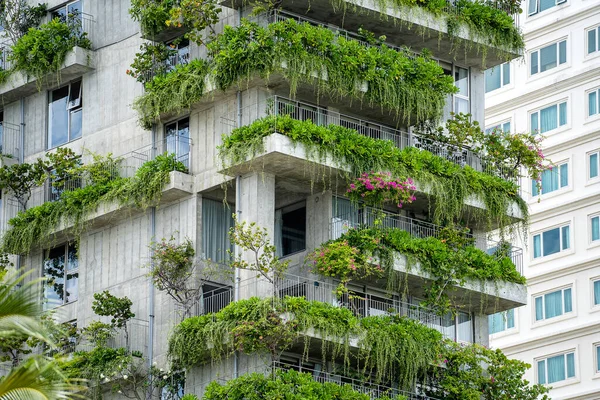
<point x="502" y="76"/>
<point x="596" y="91"/>
<point x="590" y="230"/>
<point x="557" y="167"/>
<point x="561" y="251"/>
<point x="588" y="163"/>
<point x="506" y="329"/>
<point x="564" y="314"/>
<point x="499" y="125"/>
<point x="538" y="50"/>
<point x="538" y="111"/>
<point x="71" y="109"/>
<point x="458" y="95"/>
<point x="567" y="379"/>
<point x="593" y="282"/>
<point x="595" y="28"/>
<point x="47" y="304"/>
<point x="537" y="12"/>
<point x="299" y="205"/>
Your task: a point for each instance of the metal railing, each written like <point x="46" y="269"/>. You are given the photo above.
<point x="361" y="302"/>
<point x="281" y="106"/>
<point x="125" y="167"/>
<point x="10" y="143"/>
<point x="5" y="52"/>
<point x="366" y="217"/>
<point x="364" y="386"/>
<point x="137" y="343"/>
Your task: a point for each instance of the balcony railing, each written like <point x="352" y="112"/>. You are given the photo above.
<point x="298" y="110"/>
<point x="10" y="139"/>
<point x="136" y="344"/>
<point x="366" y="217"/>
<point x="362" y="303"/>
<point x="129" y="163"/>
<point x="372" y="389"/>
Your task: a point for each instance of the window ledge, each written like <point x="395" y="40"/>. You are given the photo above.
<point x="555" y="193"/>
<point x="547" y="73"/>
<point x="542" y="14"/>
<point x="507" y="332"/>
<point x="566" y="382"/>
<point x="546" y="322"/>
<point x="542" y="260"/>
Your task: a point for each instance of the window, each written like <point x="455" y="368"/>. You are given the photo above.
<point x="549" y="118"/>
<point x="290" y="229"/>
<point x="497" y="77"/>
<point x="61" y="274"/>
<point x="553" y="179"/>
<point x="593" y="40"/>
<point x="596" y="288"/>
<point x="595" y="228"/>
<point x="597" y="353"/>
<point x="553" y="304"/>
<point x="461" y="99"/>
<point x="501" y="321"/>
<point x="64" y="114"/>
<point x="551" y="241"/>
<point x="537" y="6"/>
<point x="216" y="221"/>
<point x="181" y="53"/>
<point x="548" y="57"/>
<point x="458" y="328"/>
<point x="555" y="369"/>
<point x="70" y="13"/>
<point x="593" y="164"/>
<point x="177" y="140"/>
<point x="593" y="98"/>
<point x="1" y="130"/>
<point x="504" y="126"/>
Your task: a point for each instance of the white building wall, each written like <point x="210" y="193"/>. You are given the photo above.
<point x="576" y="267"/>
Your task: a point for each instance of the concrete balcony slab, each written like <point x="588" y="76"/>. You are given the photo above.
<point x="78" y="62"/>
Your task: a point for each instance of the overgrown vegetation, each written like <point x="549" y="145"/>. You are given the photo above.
<point x="411" y="87"/>
<point x="451" y="259"/>
<point x="35" y="225"/>
<point x="388" y="349"/>
<point x="291" y="385"/>
<point x="448" y="183"/>
<point x="391" y="347"/>
<point x="43" y="50"/>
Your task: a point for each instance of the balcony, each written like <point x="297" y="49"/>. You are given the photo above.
<point x="413" y="27"/>
<point x="78" y="62"/>
<point x="366" y="301"/>
<point x="10" y="142"/>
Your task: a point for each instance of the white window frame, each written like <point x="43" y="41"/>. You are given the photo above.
<point x="459" y="96"/>
<point x="596" y="346"/>
<point x="541" y="232"/>
<point x="562" y="296"/>
<point x="590" y="231"/>
<point x="564" y="354"/>
<point x="592" y="299"/>
<point x="538" y="111"/>
<point x="538" y="51"/>
<point x="499" y="125"/>
<point x="556" y="168"/>
<point x="66" y="271"/>
<point x="588" y="164"/>
<point x="506" y="329"/>
<point x="502" y="84"/>
<point x="587" y="103"/>
<point x="537" y="2"/>
<point x="597" y="34"/>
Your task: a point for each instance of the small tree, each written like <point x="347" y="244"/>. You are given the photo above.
<point x="20" y="179"/>
<point x="16" y="16"/>
<point x="254" y="239"/>
<point x="118" y="308"/>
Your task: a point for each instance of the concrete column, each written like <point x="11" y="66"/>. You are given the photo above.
<point x="318" y="219"/>
<point x="482" y="330"/>
<point x="257" y="204"/>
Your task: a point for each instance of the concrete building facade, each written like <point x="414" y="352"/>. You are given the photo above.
<point x="554" y="90"/>
<point x="299" y="200"/>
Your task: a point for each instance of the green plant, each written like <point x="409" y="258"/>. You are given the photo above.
<point x="173" y="92"/>
<point x="250" y="237"/>
<point x="44" y="49"/>
<point x="151" y="59"/>
<point x="17" y="17"/>
<point x="98" y="333"/>
<point x="152" y="14"/>
<point x="20" y="179"/>
<point x="117" y="308"/>
<point x="446" y="182"/>
<point x="198" y="17"/>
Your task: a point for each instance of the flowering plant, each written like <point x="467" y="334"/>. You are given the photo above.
<point x="377" y="188"/>
<point x="344" y="262"/>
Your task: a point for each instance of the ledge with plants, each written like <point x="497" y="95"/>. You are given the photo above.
<point x="446" y="262"/>
<point x="451" y="185"/>
<point x="385" y="349"/>
<point x="414" y="88"/>
<point x="47" y="54"/>
<point x="97" y="183"/>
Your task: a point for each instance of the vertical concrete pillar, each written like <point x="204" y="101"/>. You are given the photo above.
<point x="257" y="204"/>
<point x="481" y="330"/>
<point x="318" y="218"/>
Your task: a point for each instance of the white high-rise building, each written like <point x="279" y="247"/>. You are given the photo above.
<point x="554" y="90"/>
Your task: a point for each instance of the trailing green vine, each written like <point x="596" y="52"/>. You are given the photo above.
<point x="411" y="87"/>
<point x="451" y="259"/>
<point x="43" y="50"/>
<point x="35" y="225"/>
<point x="390" y="347"/>
<point x="446" y="182"/>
